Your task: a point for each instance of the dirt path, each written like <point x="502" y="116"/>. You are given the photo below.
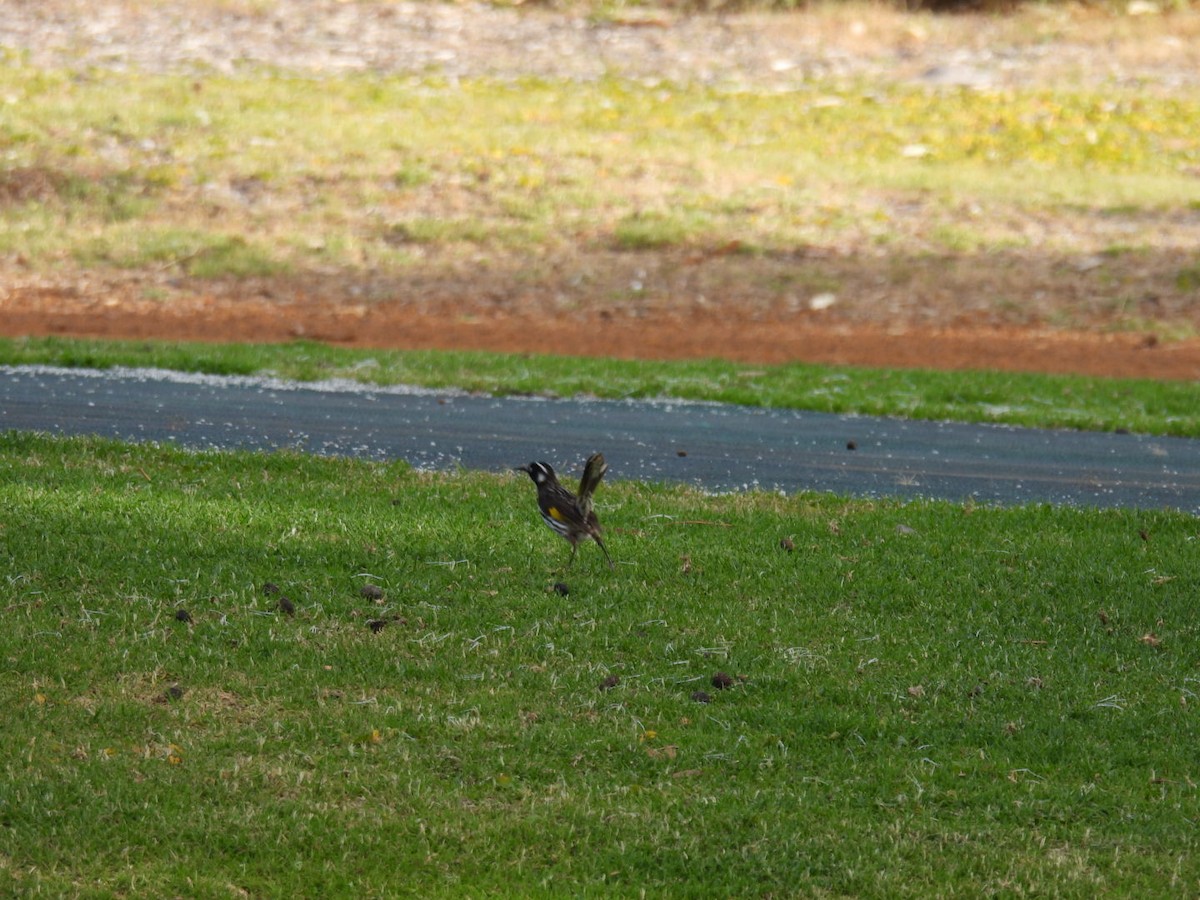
<point x="663" y="336"/>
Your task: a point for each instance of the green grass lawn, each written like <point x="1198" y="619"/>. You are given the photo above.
<point x="923" y="699"/>
<point x="1152" y="407"/>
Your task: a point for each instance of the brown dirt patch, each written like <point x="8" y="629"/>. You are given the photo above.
<point x="281" y="312"/>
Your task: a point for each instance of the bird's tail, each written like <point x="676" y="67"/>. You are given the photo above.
<point x="593" y="471"/>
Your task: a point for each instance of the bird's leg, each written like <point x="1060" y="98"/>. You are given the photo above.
<point x="604" y="549"/>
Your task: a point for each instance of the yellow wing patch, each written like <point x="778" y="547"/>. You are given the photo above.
<point x="555" y="514"/>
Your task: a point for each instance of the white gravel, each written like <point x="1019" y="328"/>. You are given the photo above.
<point x="468" y="39"/>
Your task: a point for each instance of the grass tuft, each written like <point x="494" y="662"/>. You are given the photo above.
<point x="200" y="254"/>
<point x="645" y="230"/>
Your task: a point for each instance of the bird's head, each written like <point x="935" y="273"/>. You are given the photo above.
<point x="540" y="472"/>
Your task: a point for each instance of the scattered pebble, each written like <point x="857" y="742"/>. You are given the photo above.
<point x="787" y="544"/>
<point x="610" y="682"/>
<point x="286" y="606"/>
<point x="377" y="625"/>
<point x="464" y="41"/>
<point x="270" y="588"/>
<point x="372" y="592"/>
<point x="721" y="681"/>
<point x="561" y="589"/>
<point x="182" y="615"/>
<point x="701" y="697"/>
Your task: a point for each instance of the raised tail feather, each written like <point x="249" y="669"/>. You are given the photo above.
<point x="593" y="471"/>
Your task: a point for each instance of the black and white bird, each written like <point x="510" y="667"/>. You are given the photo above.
<point x="570" y="515"/>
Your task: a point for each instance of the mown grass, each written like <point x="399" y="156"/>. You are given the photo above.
<point x="923" y="698"/>
<point x="1146" y="406"/>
